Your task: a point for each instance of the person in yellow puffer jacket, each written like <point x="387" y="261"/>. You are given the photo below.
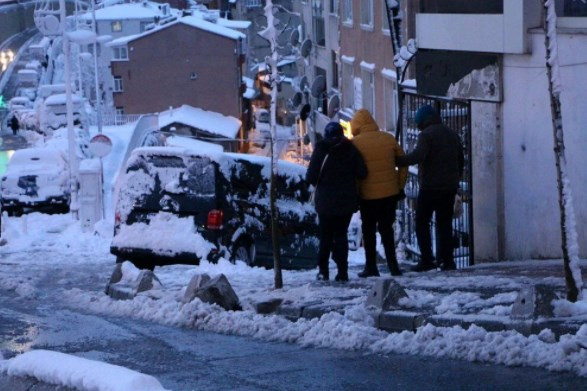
<point x="380" y="191"/>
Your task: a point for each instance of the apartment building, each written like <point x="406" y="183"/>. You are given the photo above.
<point x="491" y="54"/>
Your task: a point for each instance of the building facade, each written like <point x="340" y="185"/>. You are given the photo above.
<point x="492" y="54"/>
<point x="201" y="69"/>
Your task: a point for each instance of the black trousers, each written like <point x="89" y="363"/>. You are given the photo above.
<point x="441" y="203"/>
<point x="378" y="215"/>
<point x="333" y="238"/>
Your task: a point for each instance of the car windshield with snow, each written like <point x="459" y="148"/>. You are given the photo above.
<point x="36" y="179"/>
<point x="176" y="205"/>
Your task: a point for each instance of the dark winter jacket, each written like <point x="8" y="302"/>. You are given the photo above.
<point x="439" y="153"/>
<point x="336" y="191"/>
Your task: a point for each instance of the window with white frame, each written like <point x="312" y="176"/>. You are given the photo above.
<point x="384" y="18"/>
<point x="119" y="110"/>
<point x="118" y="84"/>
<point x="347" y="12"/>
<point x="368" y="89"/>
<point x="389" y="102"/>
<point x="333" y="7"/>
<point x="347" y="83"/>
<point x="145" y="25"/>
<point x="318" y="30"/>
<point x="120" y="53"/>
<point x="571" y="13"/>
<point x="367" y="14"/>
<point x="116" y="26"/>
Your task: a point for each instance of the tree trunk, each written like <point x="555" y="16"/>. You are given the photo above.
<point x="274" y="157"/>
<point x="573" y="281"/>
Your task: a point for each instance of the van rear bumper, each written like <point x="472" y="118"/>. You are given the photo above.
<point x="147" y="257"/>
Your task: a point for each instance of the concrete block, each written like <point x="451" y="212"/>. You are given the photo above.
<point x="268" y="307"/>
<point x="400" y="320"/>
<point x="219" y="291"/>
<point x="386" y="294"/>
<point x="120" y="289"/>
<point x="14" y="383"/>
<point x="316" y="311"/>
<point x="289" y="311"/>
<point x="197" y="282"/>
<point x="146" y="280"/>
<point x="534" y="301"/>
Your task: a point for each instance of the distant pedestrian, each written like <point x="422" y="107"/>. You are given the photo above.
<point x="335" y="167"/>
<point x="439" y="153"/>
<point x="14" y="124"/>
<point x="380" y="190"/>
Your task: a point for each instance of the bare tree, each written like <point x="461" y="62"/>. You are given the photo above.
<point x="568" y="229"/>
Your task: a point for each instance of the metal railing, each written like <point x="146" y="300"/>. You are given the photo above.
<point x="456" y="115"/>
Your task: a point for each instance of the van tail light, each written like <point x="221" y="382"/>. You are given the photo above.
<point x="117" y="218"/>
<point x="215" y="219"/>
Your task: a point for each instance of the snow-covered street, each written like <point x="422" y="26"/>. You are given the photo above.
<point x="48" y="261"/>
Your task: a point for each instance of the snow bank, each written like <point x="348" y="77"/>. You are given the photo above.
<point x="76" y="372"/>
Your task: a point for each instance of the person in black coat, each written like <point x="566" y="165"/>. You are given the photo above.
<point x="439" y="154"/>
<point x="14" y="124"/>
<point x="335" y="167"/>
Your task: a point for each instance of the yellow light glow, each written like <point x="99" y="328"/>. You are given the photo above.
<point x="346" y="125"/>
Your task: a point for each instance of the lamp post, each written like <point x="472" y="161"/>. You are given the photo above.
<point x="72" y="145"/>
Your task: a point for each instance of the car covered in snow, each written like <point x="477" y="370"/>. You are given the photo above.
<point x="178" y="205"/>
<point x="37" y="179"/>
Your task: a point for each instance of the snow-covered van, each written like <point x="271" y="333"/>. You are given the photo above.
<point x="178" y="205"/>
<point x="36" y="179"/>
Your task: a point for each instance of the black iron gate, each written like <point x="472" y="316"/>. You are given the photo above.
<point x="456" y="115"/>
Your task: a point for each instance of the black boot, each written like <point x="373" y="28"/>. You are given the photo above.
<point x="394" y="268"/>
<point x="369" y="273"/>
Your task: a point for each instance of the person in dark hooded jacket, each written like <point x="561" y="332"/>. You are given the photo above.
<point x="335" y="167"/>
<point x="439" y="154"/>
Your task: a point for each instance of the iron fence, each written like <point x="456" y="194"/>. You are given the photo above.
<point x="456" y="115"/>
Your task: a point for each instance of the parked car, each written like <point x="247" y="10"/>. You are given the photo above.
<point x="179" y="205"/>
<point x="37" y="179"/>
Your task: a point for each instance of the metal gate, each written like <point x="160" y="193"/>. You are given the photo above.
<point x="456" y="115"/>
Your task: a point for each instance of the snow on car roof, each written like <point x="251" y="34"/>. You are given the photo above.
<point x="28" y="155"/>
<point x="60" y="99"/>
<point x="209" y="121"/>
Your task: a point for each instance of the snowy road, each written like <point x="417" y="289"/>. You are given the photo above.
<point x="33" y="316"/>
<point x="52" y="278"/>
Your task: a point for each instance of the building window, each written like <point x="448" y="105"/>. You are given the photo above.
<point x="367" y="14"/>
<point x="384" y="18"/>
<point x="334" y="70"/>
<point x="318" y="23"/>
<point x="368" y="90"/>
<point x="462" y="7"/>
<point x="347" y="12"/>
<point x="120" y="53"/>
<point x="390" y="103"/>
<point x="118" y="84"/>
<point x="571" y="8"/>
<point x="116" y="26"/>
<point x="145" y="25"/>
<point x="348" y="84"/>
<point x="334" y="7"/>
<point x="119" y="111"/>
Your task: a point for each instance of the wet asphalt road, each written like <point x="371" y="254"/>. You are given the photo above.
<point x="184" y="359"/>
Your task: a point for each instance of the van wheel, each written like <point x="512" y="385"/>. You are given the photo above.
<point x="244" y="251"/>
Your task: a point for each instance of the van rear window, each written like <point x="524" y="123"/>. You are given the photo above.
<point x="201" y="176"/>
<point x="166" y="161"/>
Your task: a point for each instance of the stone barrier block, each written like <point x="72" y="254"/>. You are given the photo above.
<point x="534" y="301"/>
<point x="386" y="294"/>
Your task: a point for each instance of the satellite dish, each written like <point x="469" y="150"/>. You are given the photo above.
<point x="306" y="48"/>
<point x="305" y="112"/>
<point x="296" y="99"/>
<point x="50" y="25"/>
<point x="318" y="86"/>
<point x="333" y="105"/>
<point x="303" y="83"/>
<point x="294" y="38"/>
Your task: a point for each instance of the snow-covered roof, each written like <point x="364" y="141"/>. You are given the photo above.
<point x="127" y="11"/>
<point x="208" y="121"/>
<point x="193" y="21"/>
<point x="250" y="91"/>
<point x="61" y="99"/>
<point x="234" y="24"/>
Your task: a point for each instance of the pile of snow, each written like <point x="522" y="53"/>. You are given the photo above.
<point x="79" y="373"/>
